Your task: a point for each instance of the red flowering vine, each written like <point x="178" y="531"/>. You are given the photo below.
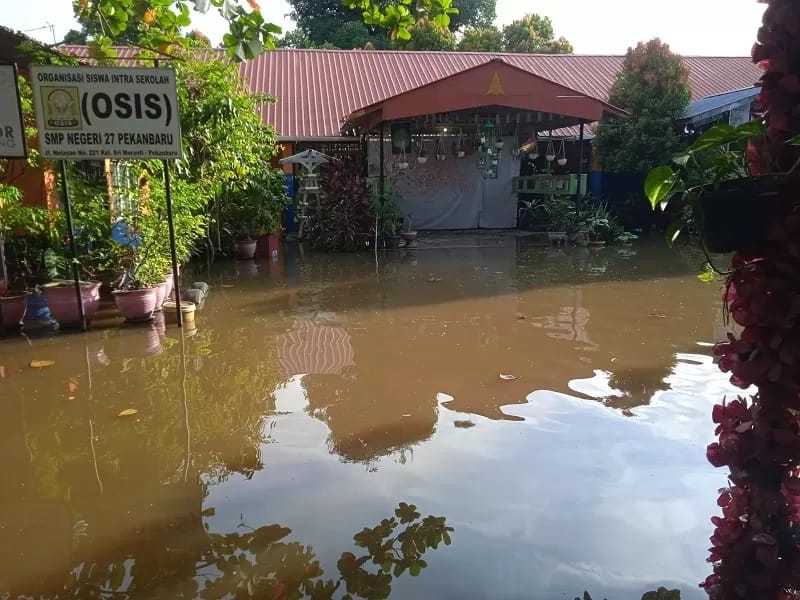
<point x="756" y="543"/>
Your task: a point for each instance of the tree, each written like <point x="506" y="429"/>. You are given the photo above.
<point x="426" y="35"/>
<point x="296" y="38"/>
<point x="533" y="34"/>
<point x="355" y="23"/>
<point x="199" y="38"/>
<point x="158" y="25"/>
<point x="75" y="37"/>
<point x="473" y="13"/>
<point x="653" y="86"/>
<point x="481" y="39"/>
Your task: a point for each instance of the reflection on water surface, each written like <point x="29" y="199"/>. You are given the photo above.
<point x="270" y="452"/>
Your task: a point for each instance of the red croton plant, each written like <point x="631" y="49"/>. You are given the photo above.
<point x="756" y="544"/>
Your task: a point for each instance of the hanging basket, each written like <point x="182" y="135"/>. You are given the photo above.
<point x="549" y="157"/>
<point x="561" y="162"/>
<point x="737" y="214"/>
<point x="499" y="144"/>
<point x="422" y="159"/>
<point x="403" y="166"/>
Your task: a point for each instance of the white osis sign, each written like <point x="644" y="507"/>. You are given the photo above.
<point x="98" y="112"/>
<point x="12" y="130"/>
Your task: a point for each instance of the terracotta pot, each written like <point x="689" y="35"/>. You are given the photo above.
<point x="273" y="244"/>
<point x="245" y="249"/>
<point x="161" y="295"/>
<point x="410" y="238"/>
<point x="63" y="303"/>
<point x="169" y="282"/>
<point x="12" y="310"/>
<point x="136" y="305"/>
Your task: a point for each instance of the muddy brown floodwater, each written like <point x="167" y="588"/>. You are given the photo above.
<point x="321" y="392"/>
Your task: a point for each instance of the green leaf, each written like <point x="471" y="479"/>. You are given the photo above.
<point x="719" y="135"/>
<point x="681" y="159"/>
<point x="415" y="568"/>
<point x="673" y="231"/>
<point x="708" y="275"/>
<point x="387" y="566"/>
<point x="446" y="538"/>
<point x="255" y="47"/>
<point x="751" y="129"/>
<point x="659" y="184"/>
<point x="399" y="569"/>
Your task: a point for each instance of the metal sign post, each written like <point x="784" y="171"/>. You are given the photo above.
<point x="73" y="248"/>
<point x="172" y="248"/>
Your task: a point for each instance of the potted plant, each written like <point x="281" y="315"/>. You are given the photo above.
<point x="253" y="209"/>
<point x="712" y="192"/>
<point x="389" y="218"/>
<point x="13" y="304"/>
<point x="93" y="238"/>
<point x="409" y="236"/>
<point x="141" y="283"/>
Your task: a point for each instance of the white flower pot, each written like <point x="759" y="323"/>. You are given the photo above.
<point x="461" y="154"/>
<point x="422" y="159"/>
<point x="403" y="166"/>
<point x="500" y="145"/>
<point x="562" y="162"/>
<point x="549" y="157"/>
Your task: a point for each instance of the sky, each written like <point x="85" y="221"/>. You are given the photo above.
<point x="691" y="27"/>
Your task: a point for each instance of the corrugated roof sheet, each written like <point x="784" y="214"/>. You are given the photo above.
<point x="317" y="89"/>
<point x="720" y="102"/>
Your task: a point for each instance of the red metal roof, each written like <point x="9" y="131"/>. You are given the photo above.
<point x="316" y="89"/>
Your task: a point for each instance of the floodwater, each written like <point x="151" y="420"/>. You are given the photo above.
<point x="320" y="392"/>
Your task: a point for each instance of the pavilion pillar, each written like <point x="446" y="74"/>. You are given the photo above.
<point x="382" y="182"/>
<point x="579" y="199"/>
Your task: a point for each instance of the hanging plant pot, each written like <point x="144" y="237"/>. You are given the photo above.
<point x="499" y="144"/>
<point x="12" y="311"/>
<point x="403" y="166"/>
<point x="549" y="157"/>
<point x="533" y="156"/>
<point x="422" y="159"/>
<point x="737" y="214"/>
<point x="461" y="154"/>
<point x="136" y="305"/>
<point x="245" y="249"/>
<point x="561" y="162"/>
